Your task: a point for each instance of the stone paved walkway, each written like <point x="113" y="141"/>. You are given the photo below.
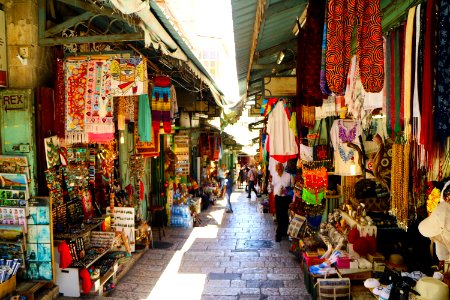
<point x="231" y="256"/>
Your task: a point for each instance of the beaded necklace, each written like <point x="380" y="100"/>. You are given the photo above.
<point x="346" y="138"/>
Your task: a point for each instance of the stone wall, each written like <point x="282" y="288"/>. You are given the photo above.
<point x="22" y="31"/>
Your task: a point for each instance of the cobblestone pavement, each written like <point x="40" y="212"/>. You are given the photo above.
<point x="230" y="256"/>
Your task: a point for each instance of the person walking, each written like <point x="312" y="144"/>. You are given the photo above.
<point x="221" y="179"/>
<point x="251" y="176"/>
<point x="281" y="181"/>
<point x="228" y="190"/>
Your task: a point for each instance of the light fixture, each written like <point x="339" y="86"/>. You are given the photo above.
<point x="280" y="57"/>
<point x="352" y="167"/>
<point x="380" y="116"/>
<point x="122" y="138"/>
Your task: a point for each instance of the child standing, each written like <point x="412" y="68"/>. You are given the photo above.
<point x="228" y="190"/>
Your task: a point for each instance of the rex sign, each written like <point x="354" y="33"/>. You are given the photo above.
<point x="13" y="102"/>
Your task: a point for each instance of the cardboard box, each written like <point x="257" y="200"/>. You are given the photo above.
<point x="378" y="266"/>
<point x="7" y="287"/>
<point x="377" y="257"/>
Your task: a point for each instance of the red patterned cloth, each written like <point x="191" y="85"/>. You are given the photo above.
<point x="75" y="76"/>
<point x="313" y="53"/>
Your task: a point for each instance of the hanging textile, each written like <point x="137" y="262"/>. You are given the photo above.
<point x="59" y="100"/>
<point x="98" y="110"/>
<point x="340" y="22"/>
<point x="145" y="119"/>
<point x="427" y="127"/>
<point x="282" y="144"/>
<point x="161" y="100"/>
<point x="387" y="83"/>
<point x="407" y="71"/>
<point x="443" y="74"/>
<point x="174" y="103"/>
<point x="146" y="149"/>
<point x="128" y="76"/>
<point x="342" y="133"/>
<point x="323" y="80"/>
<point x="370" y="44"/>
<point x="75" y="78"/>
<point x="313" y="32"/>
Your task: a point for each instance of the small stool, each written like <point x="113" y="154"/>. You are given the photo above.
<point x="157" y="212"/>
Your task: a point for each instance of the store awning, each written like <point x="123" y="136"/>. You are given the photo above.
<point x="114" y="22"/>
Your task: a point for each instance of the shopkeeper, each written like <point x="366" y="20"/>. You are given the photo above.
<point x="282" y="185"/>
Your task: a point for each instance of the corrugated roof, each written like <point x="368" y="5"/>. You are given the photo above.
<point x="279" y="20"/>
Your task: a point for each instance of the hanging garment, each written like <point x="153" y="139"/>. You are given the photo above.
<point x="429" y="56"/>
<point x="161" y="99"/>
<point x="342" y="133"/>
<point x="144" y="119"/>
<point x="323" y="80"/>
<point x="340" y="22"/>
<point x="313" y="52"/>
<point x="370" y="45"/>
<point x="443" y="74"/>
<point x="282" y="145"/>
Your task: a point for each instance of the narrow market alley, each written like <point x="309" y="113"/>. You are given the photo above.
<point x="230" y="256"/>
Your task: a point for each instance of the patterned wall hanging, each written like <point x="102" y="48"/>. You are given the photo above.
<point x="98" y="111"/>
<point x="75" y="79"/>
<point x="129" y="76"/>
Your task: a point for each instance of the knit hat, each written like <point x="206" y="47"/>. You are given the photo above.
<point x="86" y="281"/>
<point x="65" y="257"/>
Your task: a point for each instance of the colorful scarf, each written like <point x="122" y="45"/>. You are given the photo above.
<point x="408" y="71"/>
<point x="429" y="57"/>
<point x="443" y="74"/>
<point x="146" y="149"/>
<point x="98" y="112"/>
<point x="75" y="78"/>
<point x="129" y="76"/>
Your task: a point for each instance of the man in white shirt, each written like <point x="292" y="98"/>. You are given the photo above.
<point x="281" y="181"/>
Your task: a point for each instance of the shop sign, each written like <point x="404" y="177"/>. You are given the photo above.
<point x="280" y="86"/>
<point x="14" y="101"/>
<point x="3" y="55"/>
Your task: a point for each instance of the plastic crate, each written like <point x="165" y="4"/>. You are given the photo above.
<point x="312" y="260"/>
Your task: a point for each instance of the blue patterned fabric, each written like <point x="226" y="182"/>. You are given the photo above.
<point x="443" y="73"/>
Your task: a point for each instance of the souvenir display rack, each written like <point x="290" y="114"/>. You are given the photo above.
<point x="182" y="152"/>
